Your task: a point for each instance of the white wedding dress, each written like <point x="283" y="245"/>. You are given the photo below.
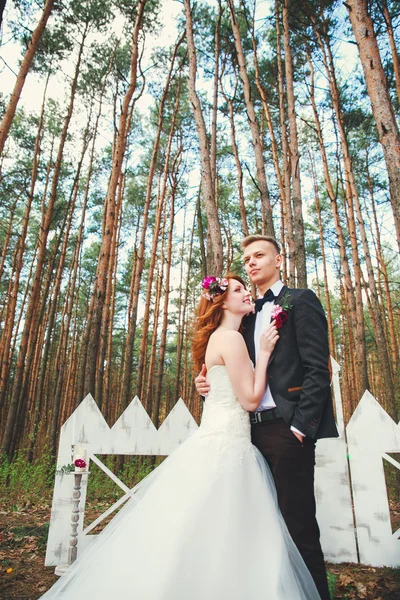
<point x="204" y="525"/>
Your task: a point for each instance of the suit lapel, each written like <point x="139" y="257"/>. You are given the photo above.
<point x="277" y="302"/>
<point x="281" y="294"/>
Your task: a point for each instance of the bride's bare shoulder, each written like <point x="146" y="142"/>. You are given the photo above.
<point x="225" y="335"/>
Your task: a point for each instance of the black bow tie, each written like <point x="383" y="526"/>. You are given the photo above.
<point x="268" y="297"/>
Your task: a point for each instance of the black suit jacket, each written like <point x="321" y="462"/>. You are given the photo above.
<point x="298" y="371"/>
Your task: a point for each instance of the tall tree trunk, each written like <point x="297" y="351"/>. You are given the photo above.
<point x="55" y="408"/>
<point x="265" y="105"/>
<point x="182" y="306"/>
<point x="286" y="168"/>
<point x="382" y="108"/>
<point x="361" y="369"/>
<point x="200" y="233"/>
<point x="323" y="259"/>
<point x="213" y="143"/>
<point x="39" y="322"/>
<point x="393" y="345"/>
<point x="7" y="237"/>
<point x="5" y="341"/>
<point x="107" y="402"/>
<point x="23" y="72"/>
<point x="99" y="288"/>
<point x="140" y="259"/>
<point x="388" y="385"/>
<point x="147" y="393"/>
<point x="395" y="57"/>
<point x="153" y="254"/>
<point x="301" y="270"/>
<point x="106" y="322"/>
<point x="350" y="394"/>
<point x="163" y="340"/>
<point x="13" y="419"/>
<point x="215" y="250"/>
<point x="126" y="367"/>
<point x="242" y="206"/>
<point x="350" y="193"/>
<point x="268" y="227"/>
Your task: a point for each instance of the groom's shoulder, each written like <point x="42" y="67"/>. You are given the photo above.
<point x="303" y="294"/>
<point x="299" y="292"/>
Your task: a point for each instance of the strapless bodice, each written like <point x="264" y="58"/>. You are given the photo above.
<point x="222" y="413"/>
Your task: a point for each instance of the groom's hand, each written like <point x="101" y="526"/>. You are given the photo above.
<point x="299" y="436"/>
<point x="202" y="385"/>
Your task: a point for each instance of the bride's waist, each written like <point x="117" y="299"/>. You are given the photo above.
<point x="231" y="426"/>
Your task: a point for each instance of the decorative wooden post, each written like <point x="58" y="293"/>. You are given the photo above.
<point x="80" y="465"/>
<point x="76" y="496"/>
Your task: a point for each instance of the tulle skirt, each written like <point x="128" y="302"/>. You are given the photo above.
<point x="205" y="525"/>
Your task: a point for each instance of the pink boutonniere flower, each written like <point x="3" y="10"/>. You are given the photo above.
<point x="280" y="311"/>
<point x="279" y="315"/>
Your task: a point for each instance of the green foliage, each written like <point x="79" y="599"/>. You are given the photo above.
<point x="128" y="9"/>
<point x="24" y="482"/>
<point x="55" y="45"/>
<point x="134" y="469"/>
<point x="331" y="583"/>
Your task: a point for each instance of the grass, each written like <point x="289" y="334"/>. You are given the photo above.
<point x="331" y="583"/>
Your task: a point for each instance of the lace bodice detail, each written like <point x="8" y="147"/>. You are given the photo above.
<point x="223" y="415"/>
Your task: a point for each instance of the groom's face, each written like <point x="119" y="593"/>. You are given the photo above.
<point x="262" y="263"/>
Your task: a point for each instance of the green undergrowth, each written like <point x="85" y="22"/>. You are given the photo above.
<point x="130" y="471"/>
<point x="331" y="583"/>
<point x="23" y="483"/>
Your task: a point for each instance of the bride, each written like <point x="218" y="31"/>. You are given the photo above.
<point x="205" y="525"/>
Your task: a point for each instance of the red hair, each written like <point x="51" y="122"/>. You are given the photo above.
<point x="208" y="317"/>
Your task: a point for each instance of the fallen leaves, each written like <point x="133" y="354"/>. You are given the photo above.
<point x="360" y="582"/>
<point x="23" y="575"/>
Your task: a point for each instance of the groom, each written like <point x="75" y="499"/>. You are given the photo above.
<point x="296" y="408"/>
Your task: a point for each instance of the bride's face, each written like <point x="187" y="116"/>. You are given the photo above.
<point x="238" y="299"/>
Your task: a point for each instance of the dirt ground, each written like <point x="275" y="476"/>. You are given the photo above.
<point x="23" y="576"/>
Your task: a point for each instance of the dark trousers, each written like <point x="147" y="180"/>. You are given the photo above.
<point x="292" y="466"/>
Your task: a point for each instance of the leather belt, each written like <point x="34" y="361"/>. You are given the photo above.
<point x="265" y="415"/>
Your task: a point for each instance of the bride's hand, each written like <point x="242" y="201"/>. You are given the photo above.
<point x="268" y="338"/>
<point x="202" y="385"/>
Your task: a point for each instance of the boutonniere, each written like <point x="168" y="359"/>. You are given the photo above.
<point x="280" y="310"/>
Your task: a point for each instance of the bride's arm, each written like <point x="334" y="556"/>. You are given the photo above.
<point x="249" y="384"/>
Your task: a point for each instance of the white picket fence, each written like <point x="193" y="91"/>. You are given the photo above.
<point x="353" y="513"/>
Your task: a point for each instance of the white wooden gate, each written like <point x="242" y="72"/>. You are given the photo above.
<point x="354" y="516"/>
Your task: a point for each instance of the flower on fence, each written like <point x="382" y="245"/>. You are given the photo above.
<point x="80" y="463"/>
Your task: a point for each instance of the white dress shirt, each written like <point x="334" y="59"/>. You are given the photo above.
<point x="263" y="319"/>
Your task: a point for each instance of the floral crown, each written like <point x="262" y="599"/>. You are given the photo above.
<point x="213" y="287"/>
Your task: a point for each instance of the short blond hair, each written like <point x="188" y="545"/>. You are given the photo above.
<point x="249" y="239"/>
